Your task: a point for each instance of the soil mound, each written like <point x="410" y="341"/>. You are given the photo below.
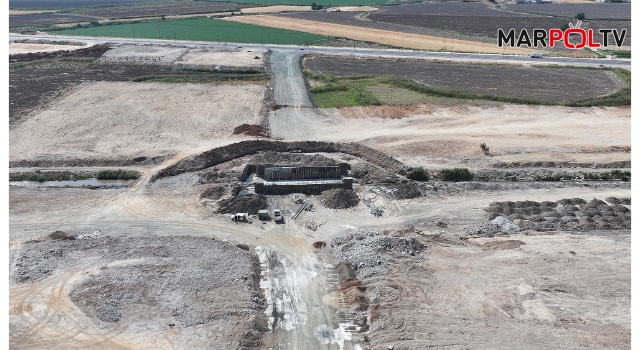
<point x="296" y="159"/>
<point x="250" y="129"/>
<point x="339" y="198"/>
<point x="501" y="245"/>
<point x="213" y="193"/>
<point x="250" y="203"/>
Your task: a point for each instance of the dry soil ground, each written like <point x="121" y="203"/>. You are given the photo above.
<point x="242" y="58"/>
<point x="432" y="135"/>
<point x="15" y="48"/>
<point x="123" y="120"/>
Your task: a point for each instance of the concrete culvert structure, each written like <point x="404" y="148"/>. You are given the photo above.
<point x="339" y="198"/>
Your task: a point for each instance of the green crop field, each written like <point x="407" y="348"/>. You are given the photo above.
<point x="198" y="29"/>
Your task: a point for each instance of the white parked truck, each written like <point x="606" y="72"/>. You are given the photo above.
<point x="277" y="215"/>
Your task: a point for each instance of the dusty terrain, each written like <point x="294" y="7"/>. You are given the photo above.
<point x="501" y="261"/>
<point x="437" y="135"/>
<point x="242" y="58"/>
<point x="159" y="54"/>
<point x="106" y="120"/>
<point x="15" y="48"/>
<point x="386" y="37"/>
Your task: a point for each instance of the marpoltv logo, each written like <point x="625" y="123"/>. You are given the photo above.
<point x="556" y="36"/>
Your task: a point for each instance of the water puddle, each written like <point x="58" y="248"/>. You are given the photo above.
<point x="78" y="183"/>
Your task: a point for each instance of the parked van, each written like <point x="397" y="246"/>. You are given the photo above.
<point x="536" y="55"/>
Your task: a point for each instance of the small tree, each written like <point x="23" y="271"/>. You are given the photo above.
<point x="94" y="23"/>
<point x="581" y="16"/>
<point x="484" y="148"/>
<point x="417" y="174"/>
<point x="314" y="6"/>
<point x="163" y="17"/>
<point x="455" y="174"/>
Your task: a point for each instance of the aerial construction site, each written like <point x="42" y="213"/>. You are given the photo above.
<point x="175" y="194"/>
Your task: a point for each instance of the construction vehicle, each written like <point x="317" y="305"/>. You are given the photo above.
<point x="277" y="215"/>
<point x="263" y="215"/>
<point x="240" y="217"/>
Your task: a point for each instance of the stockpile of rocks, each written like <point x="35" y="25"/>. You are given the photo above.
<point x="367" y="250"/>
<point x="565" y="214"/>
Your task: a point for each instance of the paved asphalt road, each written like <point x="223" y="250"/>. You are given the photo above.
<point x="594" y="62"/>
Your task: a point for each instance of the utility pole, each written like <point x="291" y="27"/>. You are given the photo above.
<point x="354" y="45"/>
<point x="402" y="44"/>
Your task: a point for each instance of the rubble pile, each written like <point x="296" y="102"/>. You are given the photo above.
<point x="366" y="250"/>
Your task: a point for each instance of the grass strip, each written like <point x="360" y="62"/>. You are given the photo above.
<point x="117" y="175"/>
<point x="48" y="176"/>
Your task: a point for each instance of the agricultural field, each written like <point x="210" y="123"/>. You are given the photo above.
<point x="162" y="8"/>
<point x="199" y="29"/>
<point x="59" y="4"/>
<point x="53" y="18"/>
<point x="591" y="11"/>
<point x="560" y="84"/>
<point x="470" y="25"/>
<point x="378" y="36"/>
<point x="448" y="8"/>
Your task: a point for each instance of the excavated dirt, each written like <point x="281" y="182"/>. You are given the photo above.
<point x="250" y="203"/>
<point x="250" y="130"/>
<point x="216" y="192"/>
<point x="339" y="198"/>
<point x="174" y="282"/>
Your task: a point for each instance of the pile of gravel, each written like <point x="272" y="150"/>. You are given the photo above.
<point x="365" y="251"/>
<point x="565" y="214"/>
<point x="339" y="198"/>
<point x="250" y="203"/>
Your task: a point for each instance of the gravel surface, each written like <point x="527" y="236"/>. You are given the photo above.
<point x="178" y="280"/>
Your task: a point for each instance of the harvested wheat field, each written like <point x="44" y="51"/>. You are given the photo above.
<point x="416" y="41"/>
<point x="113" y="120"/>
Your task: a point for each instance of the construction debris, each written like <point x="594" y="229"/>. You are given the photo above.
<point x="313" y="225"/>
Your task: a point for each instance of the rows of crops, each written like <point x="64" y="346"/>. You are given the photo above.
<point x="198" y="29"/>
